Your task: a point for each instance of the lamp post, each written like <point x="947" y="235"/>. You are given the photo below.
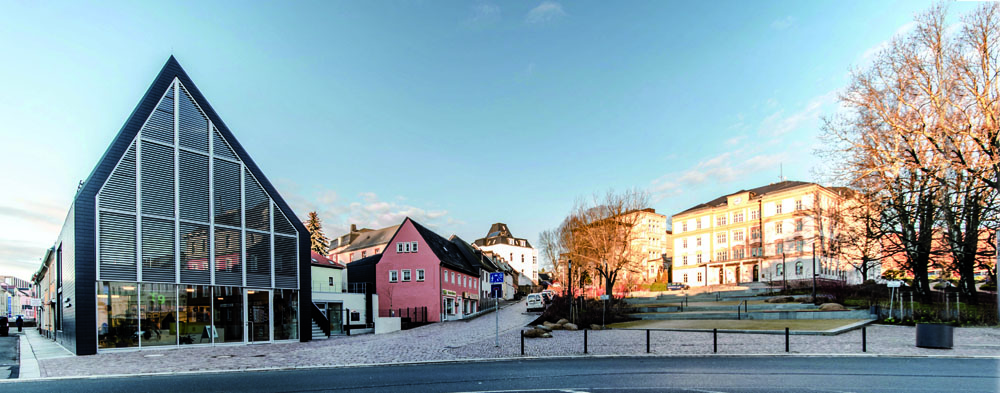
<point x="814" y="272"/>
<point x="569" y="281"/>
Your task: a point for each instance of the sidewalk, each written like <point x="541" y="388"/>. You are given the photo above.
<point x="472" y="340"/>
<point x="35" y="348"/>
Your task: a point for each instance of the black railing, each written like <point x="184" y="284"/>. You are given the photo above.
<point x="409" y="317"/>
<point x="320" y="319"/>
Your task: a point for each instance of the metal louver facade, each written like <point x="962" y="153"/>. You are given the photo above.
<point x="142" y="233"/>
<point x="181" y="207"/>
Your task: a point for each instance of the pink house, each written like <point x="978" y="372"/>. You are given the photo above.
<point x="419" y="268"/>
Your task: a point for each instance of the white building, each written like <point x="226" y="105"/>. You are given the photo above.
<point x="517" y="252"/>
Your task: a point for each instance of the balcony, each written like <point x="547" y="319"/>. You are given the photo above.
<point x="325" y="287"/>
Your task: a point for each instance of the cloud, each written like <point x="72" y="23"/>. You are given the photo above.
<point x="19" y="258"/>
<point x="724" y="168"/>
<point x="546" y="12"/>
<point x="483" y="14"/>
<point x="778" y="123"/>
<point x="783" y="23"/>
<point x="366" y="210"/>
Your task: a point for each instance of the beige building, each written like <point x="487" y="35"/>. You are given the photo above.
<point x="650" y="241"/>
<point x="721" y="242"/>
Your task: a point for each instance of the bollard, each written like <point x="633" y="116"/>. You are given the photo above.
<point x="864" y="339"/>
<point x="584" y="341"/>
<point x="715" y="340"/>
<point x="786" y="339"/>
<point x="647" y="340"/>
<point x="522" y="343"/>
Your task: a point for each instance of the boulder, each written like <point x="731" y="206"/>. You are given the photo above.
<point x="563" y="321"/>
<point x="544" y="328"/>
<point x="546" y="335"/>
<point x="549" y="324"/>
<point x="831" y="307"/>
<point x="556" y="327"/>
<point x="596" y="327"/>
<point x="780" y="299"/>
<point x="533" y="333"/>
<point x="570" y="326"/>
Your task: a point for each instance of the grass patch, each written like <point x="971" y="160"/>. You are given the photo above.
<point x="757" y="324"/>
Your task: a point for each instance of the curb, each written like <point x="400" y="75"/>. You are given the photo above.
<point x="489" y="360"/>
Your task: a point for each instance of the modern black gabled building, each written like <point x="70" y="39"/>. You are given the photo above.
<point x="177" y="238"/>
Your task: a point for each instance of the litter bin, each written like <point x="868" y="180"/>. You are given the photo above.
<point x="935" y="335"/>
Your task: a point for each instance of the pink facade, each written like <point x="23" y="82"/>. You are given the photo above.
<point x="413" y="279"/>
<point x="345" y="257"/>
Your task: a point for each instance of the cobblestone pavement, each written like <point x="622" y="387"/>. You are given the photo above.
<point x="474" y="339"/>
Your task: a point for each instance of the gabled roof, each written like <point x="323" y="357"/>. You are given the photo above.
<point x="372" y="238"/>
<point x="476" y="258"/>
<point x="172" y="69"/>
<point x="756" y="192"/>
<point x="449" y="254"/>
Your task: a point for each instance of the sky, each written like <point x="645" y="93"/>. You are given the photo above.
<point x="456" y="114"/>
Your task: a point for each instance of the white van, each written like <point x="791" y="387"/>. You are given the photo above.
<point x="535" y="302"/>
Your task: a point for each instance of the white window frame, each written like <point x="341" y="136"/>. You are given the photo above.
<point x="420" y="274"/>
<point x="406" y="247"/>
<point x="445" y="276"/>
<point x="393" y="276"/>
<point x="413" y="246"/>
<point x="399" y="247"/>
<point x="406" y="275"/>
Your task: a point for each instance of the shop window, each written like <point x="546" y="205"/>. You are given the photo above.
<point x="117" y="315"/>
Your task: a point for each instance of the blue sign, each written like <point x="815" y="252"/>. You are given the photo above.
<point x="496" y="291"/>
<point x="496" y="278"/>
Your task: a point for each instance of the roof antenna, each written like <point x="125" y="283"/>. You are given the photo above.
<point x="781" y="171"/>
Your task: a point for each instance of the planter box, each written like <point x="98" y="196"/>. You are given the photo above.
<point x="935" y="335"/>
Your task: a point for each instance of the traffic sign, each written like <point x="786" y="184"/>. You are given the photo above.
<point x="894" y="284"/>
<point x="496" y="291"/>
<point x="604" y="297"/>
<point x="496" y="278"/>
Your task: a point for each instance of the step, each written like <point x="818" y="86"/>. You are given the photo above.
<point x="770" y="314"/>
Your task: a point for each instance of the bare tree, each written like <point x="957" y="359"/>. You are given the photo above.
<point x="923" y="114"/>
<point x="602" y="235"/>
<point x="859" y="233"/>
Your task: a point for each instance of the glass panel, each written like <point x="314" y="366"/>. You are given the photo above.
<point x="227" y="311"/>
<point x="286" y="314"/>
<point x="228" y="257"/>
<point x="227" y="193"/>
<point x="259" y="310"/>
<point x="158" y="250"/>
<point x="117" y="315"/>
<point x="159" y="316"/>
<point x="194" y="254"/>
<point x="157" y="179"/>
<point x="258" y="259"/>
<point x="258" y="205"/>
<point x="193" y="186"/>
<point x="194" y="312"/>
<point x="336" y="316"/>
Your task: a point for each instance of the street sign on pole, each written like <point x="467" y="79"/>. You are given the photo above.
<point x="604" y="297"/>
<point x="893" y="284"/>
<point x="496" y="291"/>
<point x="496" y="278"/>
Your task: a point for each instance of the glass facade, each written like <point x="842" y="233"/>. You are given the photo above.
<point x="117" y="315"/>
<point x="139" y="315"/>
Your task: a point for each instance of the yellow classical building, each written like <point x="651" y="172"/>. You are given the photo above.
<point x="721" y="242"/>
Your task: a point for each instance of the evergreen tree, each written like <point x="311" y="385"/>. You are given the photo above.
<point x="316" y="236"/>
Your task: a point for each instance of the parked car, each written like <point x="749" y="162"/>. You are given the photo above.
<point x="4" y="327"/>
<point x="535" y="302"/>
<point x="676" y="286"/>
<point x="547" y="296"/>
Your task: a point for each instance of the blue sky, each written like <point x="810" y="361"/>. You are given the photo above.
<point x="458" y="114"/>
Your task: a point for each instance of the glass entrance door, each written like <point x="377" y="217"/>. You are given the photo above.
<point x="259" y="315"/>
<point x="336" y="315"/>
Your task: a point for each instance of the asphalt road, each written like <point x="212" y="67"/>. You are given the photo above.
<point x="8" y="355"/>
<point x="695" y="374"/>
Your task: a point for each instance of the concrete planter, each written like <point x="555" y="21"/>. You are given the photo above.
<point x="935" y="335"/>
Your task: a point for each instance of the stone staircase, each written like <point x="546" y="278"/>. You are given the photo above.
<point x="317" y="332"/>
<point x="728" y="303"/>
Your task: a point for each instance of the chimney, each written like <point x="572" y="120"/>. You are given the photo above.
<point x="354" y="227"/>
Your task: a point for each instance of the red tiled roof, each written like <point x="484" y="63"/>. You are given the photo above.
<point x="320" y="260"/>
